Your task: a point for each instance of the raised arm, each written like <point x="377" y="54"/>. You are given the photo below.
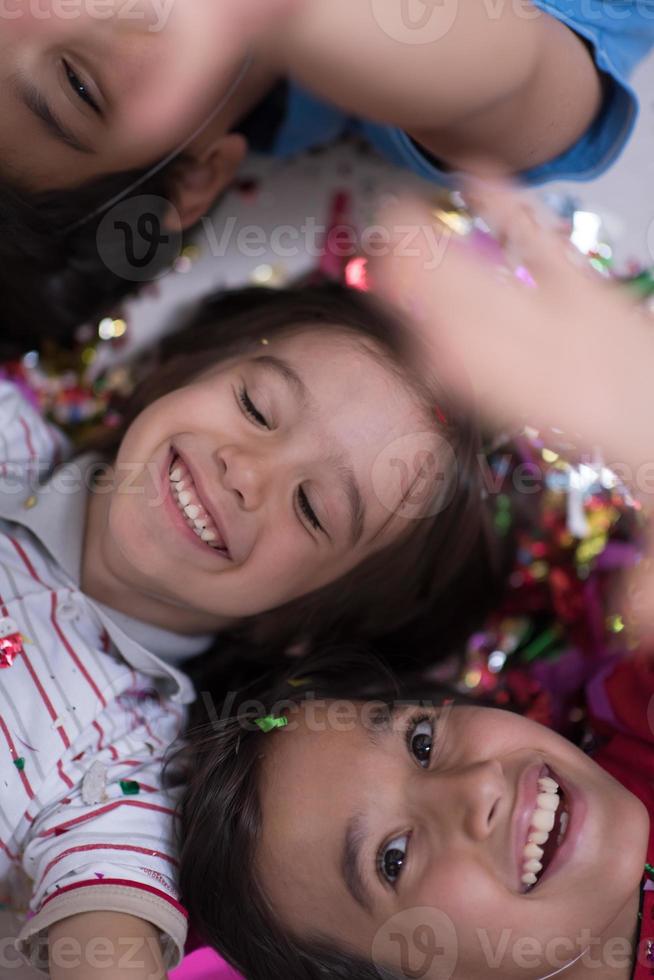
<point x="575" y="353"/>
<point x="463" y="77"/>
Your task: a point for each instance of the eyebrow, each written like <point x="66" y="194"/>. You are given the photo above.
<point x="33" y="100"/>
<point x="287" y="373"/>
<point x="345" y="471"/>
<point x="356" y="830"/>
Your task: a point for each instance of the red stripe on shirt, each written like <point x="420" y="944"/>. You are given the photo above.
<point x="28" y="564"/>
<point x="60" y="769"/>
<point x="14" y="755"/>
<point x="80" y="666"/>
<point x="3" y="847"/>
<point x="123" y="882"/>
<point x="28" y="437"/>
<point x="62" y="827"/>
<point x="44" y="697"/>
<point x="83" y="848"/>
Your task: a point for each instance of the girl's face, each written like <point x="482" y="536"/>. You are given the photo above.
<point x="90" y="87"/>
<point x="401" y="836"/>
<point x="274" y="455"/>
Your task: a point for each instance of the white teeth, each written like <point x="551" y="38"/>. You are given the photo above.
<point x="543" y="819"/>
<point x="547" y="801"/>
<point x="197" y="519"/>
<point x="541" y="823"/>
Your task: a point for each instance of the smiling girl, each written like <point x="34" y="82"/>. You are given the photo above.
<point x="406" y="835"/>
<point x="250" y="492"/>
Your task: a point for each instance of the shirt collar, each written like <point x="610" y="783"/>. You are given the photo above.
<point x="55" y="513"/>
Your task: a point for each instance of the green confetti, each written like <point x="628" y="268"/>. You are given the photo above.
<point x="269" y="722"/>
<point x="19" y="763"/>
<point x="129" y="787"/>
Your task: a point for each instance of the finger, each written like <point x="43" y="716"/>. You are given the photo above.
<point x="529" y="232"/>
<point x="469" y="317"/>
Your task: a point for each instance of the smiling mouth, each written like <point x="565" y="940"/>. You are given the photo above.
<point x="547" y="828"/>
<point x="187" y="498"/>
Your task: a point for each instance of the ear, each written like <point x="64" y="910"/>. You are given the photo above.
<point x="200" y="177"/>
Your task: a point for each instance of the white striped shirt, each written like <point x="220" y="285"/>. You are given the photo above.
<point x="88" y="708"/>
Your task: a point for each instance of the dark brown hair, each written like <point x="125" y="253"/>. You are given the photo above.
<point x="54" y="245"/>
<point x="421" y="594"/>
<point x="221" y="818"/>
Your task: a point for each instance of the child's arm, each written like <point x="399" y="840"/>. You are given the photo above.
<point x="106" y="946"/>
<point x="575" y="353"/>
<point x="467" y="78"/>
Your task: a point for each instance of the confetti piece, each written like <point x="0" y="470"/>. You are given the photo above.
<point x="94" y="784"/>
<point x="129" y="787"/>
<point x="269" y="722"/>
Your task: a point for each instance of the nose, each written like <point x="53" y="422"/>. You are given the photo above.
<point x="467" y="799"/>
<point x="244" y="474"/>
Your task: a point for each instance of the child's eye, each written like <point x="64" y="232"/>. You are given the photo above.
<point x="420" y="739"/>
<point x="308" y="511"/>
<point x="79" y="88"/>
<point x="392" y="858"/>
<point x="251" y="409"/>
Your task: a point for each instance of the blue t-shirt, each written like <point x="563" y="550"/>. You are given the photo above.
<point x="619" y="32"/>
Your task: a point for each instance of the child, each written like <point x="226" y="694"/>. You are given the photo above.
<point x="405" y="838"/>
<point x="542" y="89"/>
<point x="264" y="483"/>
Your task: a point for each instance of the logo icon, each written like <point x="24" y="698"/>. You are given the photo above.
<point x="140" y="238"/>
<point x="415" y="21"/>
<point x="417" y="944"/>
<point x="415" y="476"/>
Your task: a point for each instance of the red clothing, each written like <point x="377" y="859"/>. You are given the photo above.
<point x="621" y="700"/>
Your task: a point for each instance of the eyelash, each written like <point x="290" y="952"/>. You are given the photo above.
<point x="255" y="415"/>
<point x="409" y="735"/>
<point x="79" y="88"/>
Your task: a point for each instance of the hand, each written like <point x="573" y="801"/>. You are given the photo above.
<point x="574" y="353"/>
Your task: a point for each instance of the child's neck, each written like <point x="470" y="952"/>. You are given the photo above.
<point x="105" y="578"/>
<point x="606" y="958"/>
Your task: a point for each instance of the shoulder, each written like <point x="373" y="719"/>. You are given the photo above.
<point x="27" y="440"/>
